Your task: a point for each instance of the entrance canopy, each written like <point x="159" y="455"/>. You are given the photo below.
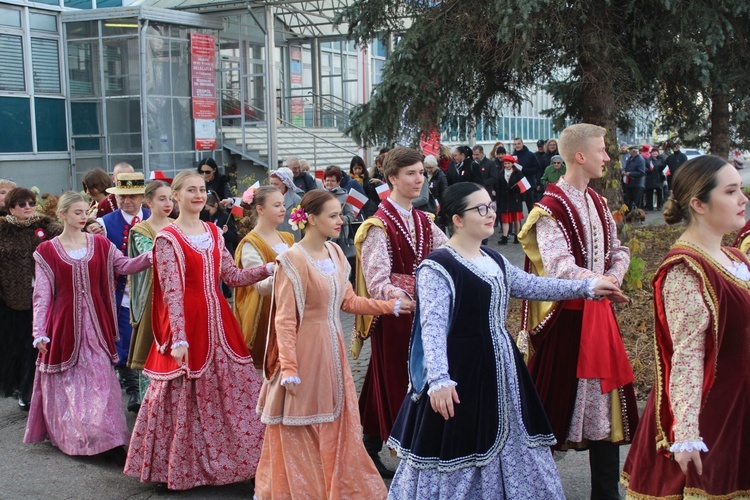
<point x="303" y="18"/>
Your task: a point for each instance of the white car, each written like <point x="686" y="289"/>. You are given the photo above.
<point x="692" y="153"/>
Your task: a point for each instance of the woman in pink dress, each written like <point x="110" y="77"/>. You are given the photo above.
<point x="77" y="403"/>
<point x="197" y="424"/>
<point x="313" y="445"/>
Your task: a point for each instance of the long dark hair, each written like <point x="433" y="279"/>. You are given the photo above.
<point x="455" y="201"/>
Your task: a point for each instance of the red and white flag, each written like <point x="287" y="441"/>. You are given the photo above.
<point x="236" y="208"/>
<point x="523" y="185"/>
<point x="666" y="171"/>
<point x="437" y="205"/>
<point x="357" y="200"/>
<point x="383" y="191"/>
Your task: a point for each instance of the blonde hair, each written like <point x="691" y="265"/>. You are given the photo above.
<point x="7" y="183"/>
<point x="182" y="176"/>
<point x="573" y="139"/>
<point x="259" y="200"/>
<point x="304" y="165"/>
<point x="68" y="199"/>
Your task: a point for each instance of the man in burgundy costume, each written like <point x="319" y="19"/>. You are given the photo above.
<point x="576" y="355"/>
<point x="390" y="245"/>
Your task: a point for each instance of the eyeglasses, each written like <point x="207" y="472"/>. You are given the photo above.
<point x="206" y="172"/>
<point x="24" y="204"/>
<point x="484" y="209"/>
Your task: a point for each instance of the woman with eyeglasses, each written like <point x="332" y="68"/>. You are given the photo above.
<point x="510" y="198"/>
<point x="472" y="425"/>
<point x="215" y="181"/>
<point x="21" y="231"/>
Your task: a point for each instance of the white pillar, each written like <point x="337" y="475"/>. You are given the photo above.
<point x="273" y="147"/>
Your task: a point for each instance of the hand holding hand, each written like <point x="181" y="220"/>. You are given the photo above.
<point x="407" y="306"/>
<point x="442" y="401"/>
<point x="95" y="228"/>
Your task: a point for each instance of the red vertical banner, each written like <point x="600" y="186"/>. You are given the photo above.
<point x="203" y="86"/>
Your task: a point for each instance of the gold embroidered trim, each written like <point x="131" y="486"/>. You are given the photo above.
<point x="711" y="300"/>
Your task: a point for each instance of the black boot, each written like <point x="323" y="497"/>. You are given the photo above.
<point x="515" y="239"/>
<point x="373" y="445"/>
<point x="604" y="461"/>
<point x="129" y="379"/>
<point x="134" y="402"/>
<point x="503" y="240"/>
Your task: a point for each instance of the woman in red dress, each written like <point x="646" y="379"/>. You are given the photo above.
<point x="692" y="440"/>
<point x="197" y="424"/>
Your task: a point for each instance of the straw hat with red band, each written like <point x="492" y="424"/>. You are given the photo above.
<point x="129" y="183"/>
<point x="159" y="175"/>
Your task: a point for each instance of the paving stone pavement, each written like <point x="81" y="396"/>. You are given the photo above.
<point x="41" y="471"/>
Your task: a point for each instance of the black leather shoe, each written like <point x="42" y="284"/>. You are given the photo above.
<point x="134" y="402"/>
<point x="503" y="240"/>
<point x="23" y="405"/>
<point x="384" y="471"/>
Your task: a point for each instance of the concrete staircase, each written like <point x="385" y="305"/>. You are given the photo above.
<point x="320" y="146"/>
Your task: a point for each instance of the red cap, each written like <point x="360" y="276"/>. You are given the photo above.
<point x="645" y="148"/>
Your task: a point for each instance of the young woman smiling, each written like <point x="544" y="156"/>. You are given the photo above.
<point x="197" y="424"/>
<point x="472" y="425"/>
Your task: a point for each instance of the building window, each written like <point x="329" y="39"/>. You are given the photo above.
<point x="11" y="63"/>
<point x="32" y="104"/>
<point x="15" y="115"/>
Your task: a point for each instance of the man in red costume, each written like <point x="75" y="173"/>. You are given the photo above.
<point x="576" y="355"/>
<point x="390" y="245"/>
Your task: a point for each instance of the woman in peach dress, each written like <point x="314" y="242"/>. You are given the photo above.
<point x="313" y="442"/>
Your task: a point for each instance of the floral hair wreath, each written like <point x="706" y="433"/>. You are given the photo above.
<point x="298" y="220"/>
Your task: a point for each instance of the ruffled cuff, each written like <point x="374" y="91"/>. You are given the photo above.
<point x="269" y="268"/>
<point x="689" y="446"/>
<point x="590" y="285"/>
<point x="180" y="343"/>
<point x="397" y="307"/>
<point x="291" y="380"/>
<point x="439" y="384"/>
<point x="40" y="339"/>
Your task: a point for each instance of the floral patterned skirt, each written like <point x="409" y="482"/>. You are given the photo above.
<point x="194" y="432"/>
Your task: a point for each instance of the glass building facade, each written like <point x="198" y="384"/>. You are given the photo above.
<point x="91" y="83"/>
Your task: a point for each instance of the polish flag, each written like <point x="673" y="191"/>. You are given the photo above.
<point x="383" y="191"/>
<point x="437" y="204"/>
<point x="357" y="200"/>
<point x="666" y="171"/>
<point x="236" y="208"/>
<point x="523" y="185"/>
